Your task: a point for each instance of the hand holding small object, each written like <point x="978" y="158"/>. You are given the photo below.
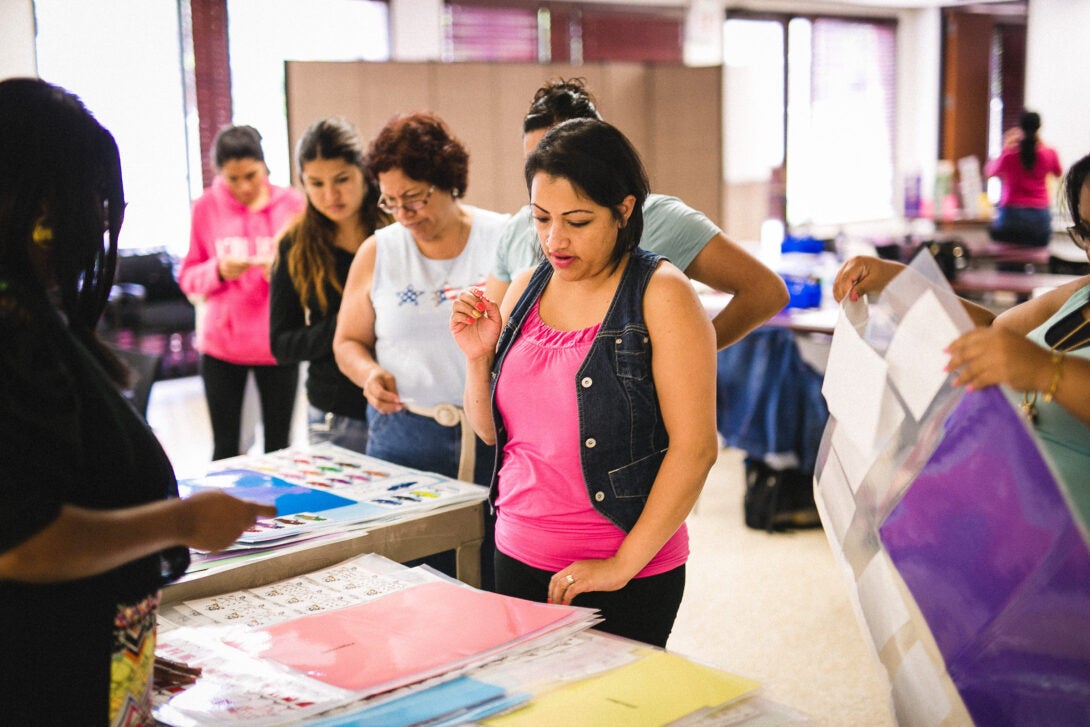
<point x="380" y="390"/>
<point x="230" y="268"/>
<point x="475" y="323"/>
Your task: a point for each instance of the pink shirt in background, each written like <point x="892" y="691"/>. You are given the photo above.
<point x="1023" y="187"/>
<point x="235" y="325"/>
<point x="544" y="515"/>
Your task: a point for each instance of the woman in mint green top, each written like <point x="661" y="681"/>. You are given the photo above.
<point x="683" y="235"/>
<point x="1040" y="349"/>
<point x="1066" y="437"/>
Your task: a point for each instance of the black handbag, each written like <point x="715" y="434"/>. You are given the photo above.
<point x="952" y="256"/>
<point x="779" y="500"/>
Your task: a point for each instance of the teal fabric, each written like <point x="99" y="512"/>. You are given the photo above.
<point x="1065" y="439"/>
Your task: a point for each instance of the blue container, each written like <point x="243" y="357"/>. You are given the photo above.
<point x="805" y="291"/>
<point x="799" y="261"/>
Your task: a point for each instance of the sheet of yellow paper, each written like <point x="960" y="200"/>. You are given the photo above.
<point x="649" y="692"/>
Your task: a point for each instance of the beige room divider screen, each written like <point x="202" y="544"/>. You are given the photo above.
<point x="673" y="115"/>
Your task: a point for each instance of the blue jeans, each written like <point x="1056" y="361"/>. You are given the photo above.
<point x="347" y="432"/>
<point x="415" y="441"/>
<point x="1023" y="226"/>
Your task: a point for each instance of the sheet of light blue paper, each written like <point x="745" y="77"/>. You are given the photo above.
<point x="449" y="700"/>
<point x="265" y="488"/>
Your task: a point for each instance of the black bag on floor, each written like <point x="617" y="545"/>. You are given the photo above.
<point x="778" y="500"/>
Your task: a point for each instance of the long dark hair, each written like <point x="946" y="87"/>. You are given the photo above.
<point x="1027" y="148"/>
<point x="60" y="170"/>
<point x="310" y="260"/>
<point x="601" y="162"/>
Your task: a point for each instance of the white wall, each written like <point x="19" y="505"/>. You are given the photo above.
<point x="17" y="56"/>
<point x="918" y="90"/>
<point x="1057" y="85"/>
<point x="416" y="32"/>
<point x="140" y="103"/>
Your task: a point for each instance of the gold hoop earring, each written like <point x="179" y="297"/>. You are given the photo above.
<point x="42" y="234"/>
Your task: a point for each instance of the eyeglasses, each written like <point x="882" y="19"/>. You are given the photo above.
<point x="407" y="205"/>
<point x="1079" y="236"/>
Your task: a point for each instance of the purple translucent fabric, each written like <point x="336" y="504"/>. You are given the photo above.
<point x="990" y="551"/>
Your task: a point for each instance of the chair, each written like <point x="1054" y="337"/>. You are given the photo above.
<point x="146" y="304"/>
<point x="144" y="368"/>
<point x="147" y="295"/>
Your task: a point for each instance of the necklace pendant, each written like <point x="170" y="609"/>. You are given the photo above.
<point x="1029" y="410"/>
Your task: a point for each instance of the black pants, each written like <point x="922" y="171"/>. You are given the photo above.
<point x="643" y="610"/>
<point x="224" y="388"/>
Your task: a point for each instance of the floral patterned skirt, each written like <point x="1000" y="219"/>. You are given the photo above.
<point x="133" y="663"/>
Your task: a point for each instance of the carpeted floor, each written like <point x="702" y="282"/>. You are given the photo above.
<point x="775" y="608"/>
<point x="771" y="607"/>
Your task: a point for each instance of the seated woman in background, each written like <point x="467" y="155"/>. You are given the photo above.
<point x="94" y="527"/>
<point x="1024" y="168"/>
<point x="600" y="394"/>
<point x="1040" y="349"/>
<point x="392" y="338"/>
<point x="310" y="272"/>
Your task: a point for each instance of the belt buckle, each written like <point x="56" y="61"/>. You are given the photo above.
<point x="447" y="415"/>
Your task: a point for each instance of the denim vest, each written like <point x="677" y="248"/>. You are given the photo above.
<point x="620" y="426"/>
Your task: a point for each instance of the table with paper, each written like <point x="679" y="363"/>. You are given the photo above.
<point x="967" y="564"/>
<point x="373" y="642"/>
<point x="324" y="494"/>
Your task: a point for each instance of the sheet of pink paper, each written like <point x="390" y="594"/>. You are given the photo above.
<point x="400" y="638"/>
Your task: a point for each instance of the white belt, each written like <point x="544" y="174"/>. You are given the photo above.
<point x="449" y="415"/>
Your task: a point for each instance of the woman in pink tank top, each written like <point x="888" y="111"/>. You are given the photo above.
<point x="603" y="406"/>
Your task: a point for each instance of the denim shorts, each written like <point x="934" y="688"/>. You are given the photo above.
<point x="347" y="432"/>
<point x="421" y="442"/>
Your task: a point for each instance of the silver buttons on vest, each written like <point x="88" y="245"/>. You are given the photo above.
<point x="599" y="496"/>
<point x="591" y="443"/>
<point x="586" y="382"/>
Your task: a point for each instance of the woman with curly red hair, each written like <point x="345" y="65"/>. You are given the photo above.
<point x="392" y="337"/>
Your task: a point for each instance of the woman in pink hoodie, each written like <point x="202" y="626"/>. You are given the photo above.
<point x="235" y="224"/>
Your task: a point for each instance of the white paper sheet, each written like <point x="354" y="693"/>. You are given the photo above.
<point x="916" y="355"/>
<point x="918" y="692"/>
<point x="881" y="600"/>
<point x="854" y="381"/>
<point x="854" y="463"/>
<point x="835" y="491"/>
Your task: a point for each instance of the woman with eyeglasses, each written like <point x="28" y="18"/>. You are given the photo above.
<point x="310" y="271"/>
<point x="392" y="339"/>
<point x="233" y="235"/>
<point x="1040" y="348"/>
